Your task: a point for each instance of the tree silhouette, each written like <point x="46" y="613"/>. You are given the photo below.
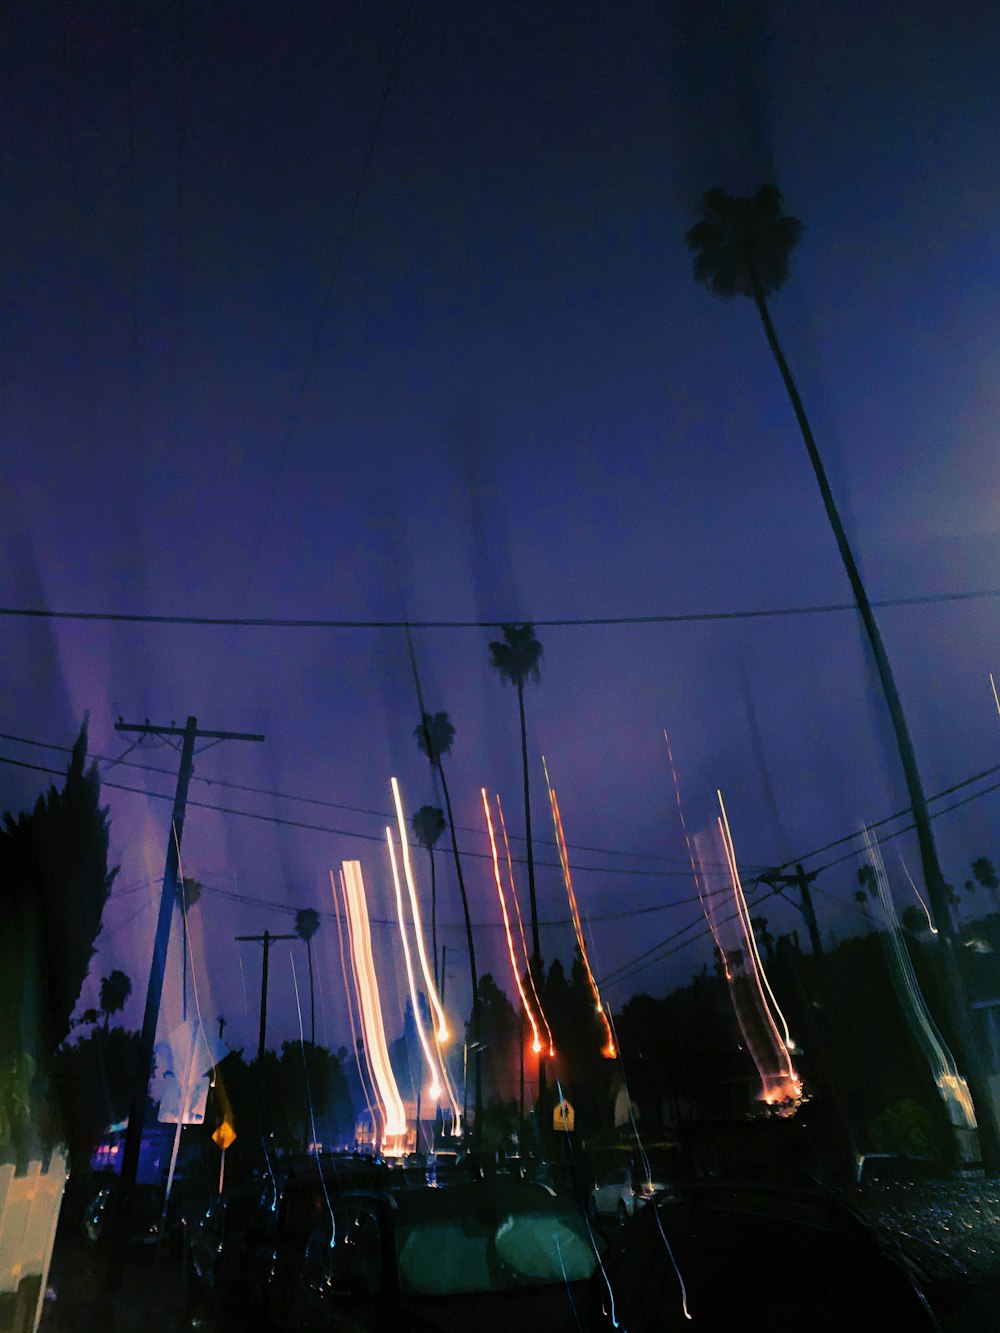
<point x="985" y="875"/>
<point x="742" y="248"/>
<point x="306" y="926"/>
<point x="54" y="883"/>
<point x="116" y="987"/>
<point x="428" y="824"/>
<point x="517" y="658"/>
<point x="435" y="735"/>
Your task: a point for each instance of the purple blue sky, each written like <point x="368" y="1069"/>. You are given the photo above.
<point x="512" y="402"/>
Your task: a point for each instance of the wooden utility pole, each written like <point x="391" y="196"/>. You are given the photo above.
<point x="801" y="881"/>
<point x="168" y="897"/>
<point x="267" y="939"/>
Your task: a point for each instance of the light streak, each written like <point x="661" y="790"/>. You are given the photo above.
<point x="930" y="920"/>
<point x="750" y="993"/>
<point x="370" y="1001"/>
<point x="350" y="1000"/>
<point x="520" y="926"/>
<point x="435" y="1089"/>
<point x="609" y="1051"/>
<point x="993" y="687"/>
<point x="741" y="903"/>
<point x="950" y="1083"/>
<point x="536" y="1045"/>
<point x="691" y="856"/>
<point x="442" y="1034"/>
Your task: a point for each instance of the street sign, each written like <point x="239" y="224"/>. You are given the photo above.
<point x="563" y="1117"/>
<point x="225" y="1136"/>
<point x="184" y="1063"/>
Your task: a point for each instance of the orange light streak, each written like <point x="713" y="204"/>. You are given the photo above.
<point x="610" y="1050"/>
<point x="442" y="1034"/>
<point x="536" y="1044"/>
<point x="524" y="943"/>
<point x="342" y="905"/>
<point x="370" y="1000"/>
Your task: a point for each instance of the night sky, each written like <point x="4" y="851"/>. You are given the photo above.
<point x="376" y="311"/>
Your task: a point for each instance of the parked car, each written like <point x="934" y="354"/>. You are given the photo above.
<point x="625" y="1179"/>
<point x="485" y="1255"/>
<point x="753" y="1259"/>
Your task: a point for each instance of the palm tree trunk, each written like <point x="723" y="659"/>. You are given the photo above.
<point x="955" y="990"/>
<point x="472" y="956"/>
<point x="312" y="995"/>
<point x="434" y="920"/>
<point x="535" y="946"/>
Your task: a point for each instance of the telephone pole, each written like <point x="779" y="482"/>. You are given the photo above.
<point x="801" y="881"/>
<point x="154" y="991"/>
<point x="267" y="939"/>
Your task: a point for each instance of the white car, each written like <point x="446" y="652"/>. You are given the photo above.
<point x="622" y="1187"/>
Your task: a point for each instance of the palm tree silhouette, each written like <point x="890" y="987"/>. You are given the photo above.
<point x="435" y="735"/>
<point x="116" y="987"/>
<point x="742" y="248"/>
<point x="306" y="926"/>
<point x="428" y="824"/>
<point x="516" y="658"/>
<point x="188" y="893"/>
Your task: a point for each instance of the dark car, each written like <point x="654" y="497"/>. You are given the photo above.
<point x="754" y="1259"/>
<point x="486" y="1255"/>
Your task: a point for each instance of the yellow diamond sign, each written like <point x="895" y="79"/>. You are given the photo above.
<point x="224" y="1136"/>
<point x="563" y="1117"/>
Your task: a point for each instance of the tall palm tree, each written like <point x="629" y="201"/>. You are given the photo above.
<point x="517" y="657"/>
<point x="435" y="735"/>
<point x="428" y="825"/>
<point x="306" y="926"/>
<point x="188" y="893"/>
<point x="742" y="248"/>
<point x="116" y="987"/>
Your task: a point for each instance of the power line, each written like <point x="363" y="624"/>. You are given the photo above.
<point x="251" y="900"/>
<point x="337" y="832"/>
<point x="279" y="622"/>
<point x="646" y="958"/>
<point x="336" y="805"/>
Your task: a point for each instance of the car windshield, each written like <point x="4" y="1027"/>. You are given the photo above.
<point x="492" y="1242"/>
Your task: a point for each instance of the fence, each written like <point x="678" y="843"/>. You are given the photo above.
<point x="29" y="1211"/>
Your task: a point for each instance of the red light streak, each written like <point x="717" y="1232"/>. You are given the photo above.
<point x="536" y="1045"/>
<point x="524" y="943"/>
<point x="609" y="1051"/>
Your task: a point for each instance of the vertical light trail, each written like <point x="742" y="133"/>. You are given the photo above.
<point x="780" y="1081"/>
<point x="993" y="687"/>
<point x="371" y="1003"/>
<point x="691" y="857"/>
<point x="950" y="1084"/>
<point x="435" y="1089"/>
<point x="609" y="1051"/>
<point x="520" y="926"/>
<point x="930" y="920"/>
<point x="536" y="1044"/>
<point x="744" y="912"/>
<point x="357" y="992"/>
<point x="442" y="1034"/>
<point x="350" y="1001"/>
